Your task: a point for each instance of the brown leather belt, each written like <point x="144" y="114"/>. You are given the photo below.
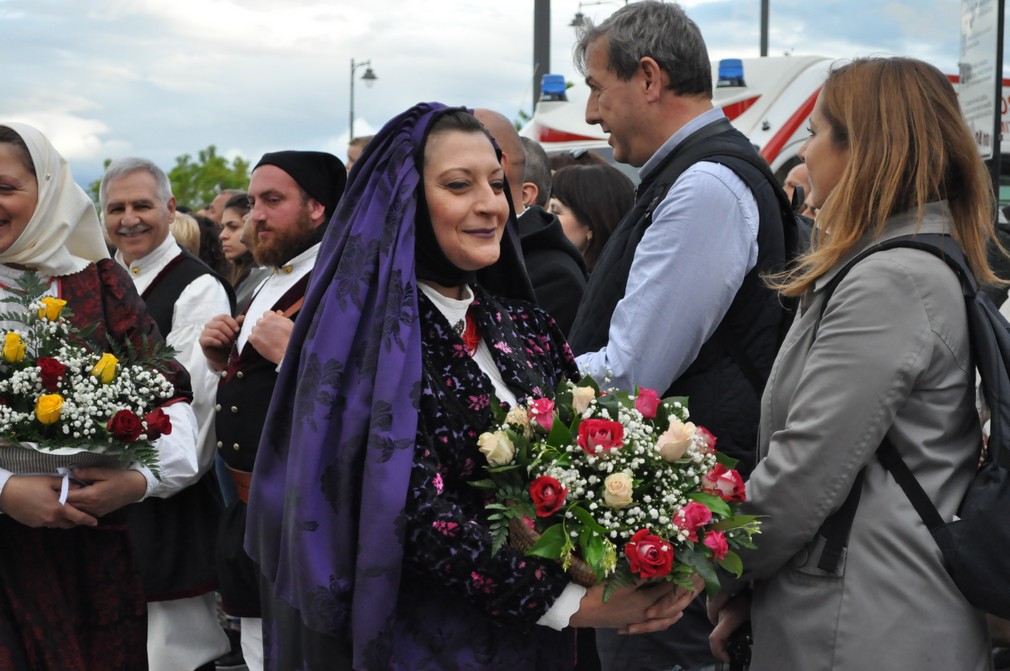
<point x="242" y="480"/>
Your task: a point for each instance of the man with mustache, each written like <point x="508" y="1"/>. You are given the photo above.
<point x="174" y="537"/>
<point x="293" y="194"/>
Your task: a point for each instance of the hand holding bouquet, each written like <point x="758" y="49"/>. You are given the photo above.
<point x="619" y="484"/>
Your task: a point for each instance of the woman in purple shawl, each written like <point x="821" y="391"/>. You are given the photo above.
<point x="373" y="545"/>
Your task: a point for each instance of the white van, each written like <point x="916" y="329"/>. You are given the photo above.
<point x="767" y="99"/>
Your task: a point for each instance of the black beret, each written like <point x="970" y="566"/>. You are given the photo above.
<point x="321" y="175"/>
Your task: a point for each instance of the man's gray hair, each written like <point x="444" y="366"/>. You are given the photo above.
<point x="659" y="30"/>
<point x="538" y="169"/>
<point x="125" y="166"/>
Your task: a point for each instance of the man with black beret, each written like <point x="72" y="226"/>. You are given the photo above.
<point x="293" y="195"/>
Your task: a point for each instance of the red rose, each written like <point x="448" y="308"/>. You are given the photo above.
<point x="724" y="483"/>
<point x="649" y="556"/>
<point x="125" y="426"/>
<point x="548" y="495"/>
<point x="158" y="424"/>
<point x="707" y="437"/>
<point x="692" y="517"/>
<point x="542" y="413"/>
<point x="52" y="371"/>
<point x="647" y="402"/>
<point x="600" y="433"/>
<point x="716" y="542"/>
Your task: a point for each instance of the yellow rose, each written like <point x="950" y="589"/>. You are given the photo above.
<point x="14" y="348"/>
<point x="617" y="490"/>
<point x="48" y="408"/>
<point x="51" y="308"/>
<point x="497" y="447"/>
<point x="105" y="369"/>
<point x="674" y="442"/>
<point x="581" y="398"/>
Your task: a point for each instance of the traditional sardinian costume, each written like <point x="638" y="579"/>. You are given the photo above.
<point x="373" y="545"/>
<point x="71" y="599"/>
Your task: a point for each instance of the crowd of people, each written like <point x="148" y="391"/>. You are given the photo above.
<point x="341" y="330"/>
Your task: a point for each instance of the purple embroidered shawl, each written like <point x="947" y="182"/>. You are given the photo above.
<point x="332" y="471"/>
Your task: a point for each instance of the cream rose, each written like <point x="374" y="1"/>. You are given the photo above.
<point x="582" y="397"/>
<point x="617" y="490"/>
<point x="519" y="419"/>
<point x="674" y="442"/>
<point x="496" y="447"/>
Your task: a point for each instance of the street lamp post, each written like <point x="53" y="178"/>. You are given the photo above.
<point x="369" y="79"/>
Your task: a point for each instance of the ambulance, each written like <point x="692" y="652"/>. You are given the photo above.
<point x="767" y="99"/>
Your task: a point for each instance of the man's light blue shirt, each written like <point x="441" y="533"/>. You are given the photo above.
<point x="686" y="271"/>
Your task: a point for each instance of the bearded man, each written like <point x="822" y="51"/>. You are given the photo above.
<point x="293" y="194"/>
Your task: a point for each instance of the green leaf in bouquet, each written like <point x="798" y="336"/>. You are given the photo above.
<point x="697" y="560"/>
<point x="551" y="544"/>
<point x="484" y="484"/>
<point x="587" y="520"/>
<point x="726" y="460"/>
<point x="594" y="551"/>
<point x="621" y="577"/>
<point x="734" y="522"/>
<point x="712" y="502"/>
<point x="732" y="564"/>
<point x="504" y="469"/>
<point x="611" y="403"/>
<point x="559" y="436"/>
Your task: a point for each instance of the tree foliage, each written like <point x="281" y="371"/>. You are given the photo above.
<point x="196" y="182"/>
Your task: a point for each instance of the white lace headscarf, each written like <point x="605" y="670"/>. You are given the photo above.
<point x="64" y="234"/>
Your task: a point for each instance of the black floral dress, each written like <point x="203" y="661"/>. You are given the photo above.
<point x="460" y="606"/>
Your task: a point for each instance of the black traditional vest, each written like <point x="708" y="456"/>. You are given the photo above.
<point x="724" y="382"/>
<point x="174" y="538"/>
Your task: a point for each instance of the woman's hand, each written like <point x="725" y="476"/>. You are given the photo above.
<point x="34" y="500"/>
<point x="727" y="614"/>
<point x="217" y="338"/>
<point x="632" y="610"/>
<point x="110" y="489"/>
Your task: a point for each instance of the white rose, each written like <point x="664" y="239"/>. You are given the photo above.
<point x="674" y="442"/>
<point x="497" y="447"/>
<point x="519" y="419"/>
<point x="581" y="398"/>
<point x="617" y="490"/>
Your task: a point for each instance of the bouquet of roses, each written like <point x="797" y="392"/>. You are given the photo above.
<point x="619" y="484"/>
<point x="59" y="395"/>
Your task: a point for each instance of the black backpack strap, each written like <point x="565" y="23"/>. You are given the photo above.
<point x="836" y="528"/>
<point x="896" y="466"/>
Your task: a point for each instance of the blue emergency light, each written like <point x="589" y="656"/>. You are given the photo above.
<point x="730" y="73"/>
<point x="552" y="87"/>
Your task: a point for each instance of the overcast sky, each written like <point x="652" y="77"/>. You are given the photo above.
<point x="160" y="78"/>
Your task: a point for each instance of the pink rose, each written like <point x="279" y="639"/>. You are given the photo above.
<point x="542" y="413"/>
<point x="692" y="517"/>
<point x="548" y="495"/>
<point x="600" y="434"/>
<point x="649" y="556"/>
<point x="707" y="438"/>
<point x="647" y="402"/>
<point x="716" y="542"/>
<point x="724" y="483"/>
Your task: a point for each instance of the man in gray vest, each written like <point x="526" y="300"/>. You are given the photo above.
<point x="676" y="302"/>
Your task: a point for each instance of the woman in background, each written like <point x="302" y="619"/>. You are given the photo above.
<point x="889" y="360"/>
<point x="590" y="201"/>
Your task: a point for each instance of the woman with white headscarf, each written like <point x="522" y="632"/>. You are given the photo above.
<point x="70" y="594"/>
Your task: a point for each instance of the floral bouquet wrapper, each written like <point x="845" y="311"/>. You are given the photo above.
<point x="619" y="487"/>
